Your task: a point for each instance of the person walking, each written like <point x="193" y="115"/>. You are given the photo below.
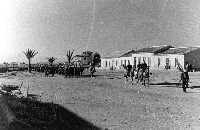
<point x="129" y="68"/>
<point x="139" y="66"/>
<point x="185" y="79"/>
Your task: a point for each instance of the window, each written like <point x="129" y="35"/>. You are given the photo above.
<point x="139" y="60"/>
<point x="149" y="61"/>
<point x="121" y="62"/>
<point x="128" y="62"/>
<point x="125" y="62"/>
<point x="158" y="62"/>
<point x="167" y="61"/>
<point x="167" y="64"/>
<point x="106" y="64"/>
<point x="116" y="63"/>
<point x="144" y="59"/>
<point x="176" y="62"/>
<point x="135" y="61"/>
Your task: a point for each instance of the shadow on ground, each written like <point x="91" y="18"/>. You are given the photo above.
<point x="167" y="84"/>
<point x="195" y="87"/>
<point x="178" y="85"/>
<point x="83" y="76"/>
<point x="32" y="114"/>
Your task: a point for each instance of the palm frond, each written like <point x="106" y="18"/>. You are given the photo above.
<point x="29" y="53"/>
<point x="70" y="56"/>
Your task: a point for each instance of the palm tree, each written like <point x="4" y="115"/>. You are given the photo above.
<point x="70" y="57"/>
<point x="29" y="53"/>
<point x="51" y="60"/>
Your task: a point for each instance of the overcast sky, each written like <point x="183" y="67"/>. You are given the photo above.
<point x="107" y="26"/>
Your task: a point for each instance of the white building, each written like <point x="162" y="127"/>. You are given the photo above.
<point x="157" y="57"/>
<point x="189" y="55"/>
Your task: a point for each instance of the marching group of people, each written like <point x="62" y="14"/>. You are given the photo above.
<point x="136" y="71"/>
<point x="67" y="71"/>
<point x="139" y="70"/>
<point x="59" y="69"/>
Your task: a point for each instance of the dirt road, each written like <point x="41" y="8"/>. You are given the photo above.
<point x="118" y="105"/>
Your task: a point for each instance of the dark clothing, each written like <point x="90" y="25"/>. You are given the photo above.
<point x="143" y="67"/>
<point x="129" y="67"/>
<point x="184" y="77"/>
<point x="139" y="66"/>
<point x="185" y="80"/>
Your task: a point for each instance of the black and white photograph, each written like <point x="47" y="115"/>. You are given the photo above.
<point x="99" y="64"/>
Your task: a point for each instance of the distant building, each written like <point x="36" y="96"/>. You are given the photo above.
<point x="190" y="55"/>
<point x="111" y="63"/>
<point x="156" y="57"/>
<point x="22" y="65"/>
<point x="13" y="66"/>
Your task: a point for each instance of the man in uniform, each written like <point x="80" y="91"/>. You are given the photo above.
<point x="185" y="79"/>
<point x="139" y="66"/>
<point x="129" y="68"/>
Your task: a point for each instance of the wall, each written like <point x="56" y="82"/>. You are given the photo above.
<point x="149" y="58"/>
<point x="110" y="63"/>
<point x="115" y="63"/>
<point x="173" y="58"/>
<point x="140" y="57"/>
<point x="152" y="60"/>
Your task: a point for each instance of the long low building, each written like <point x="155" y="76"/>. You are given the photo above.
<point x="157" y="57"/>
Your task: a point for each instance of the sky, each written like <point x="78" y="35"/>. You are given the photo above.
<point x="106" y="26"/>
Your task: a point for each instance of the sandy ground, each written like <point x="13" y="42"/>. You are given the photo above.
<point x="110" y="102"/>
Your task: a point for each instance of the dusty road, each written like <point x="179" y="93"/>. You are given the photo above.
<point x="110" y="102"/>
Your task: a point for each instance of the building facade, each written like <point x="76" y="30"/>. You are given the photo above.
<point x="156" y="57"/>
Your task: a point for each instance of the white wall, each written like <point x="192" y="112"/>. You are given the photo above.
<point x="150" y="59"/>
<point x="108" y="63"/>
<point x="140" y="57"/>
<point x="171" y="57"/>
<point x="115" y="63"/>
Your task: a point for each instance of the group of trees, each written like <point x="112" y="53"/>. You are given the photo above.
<point x="30" y="54"/>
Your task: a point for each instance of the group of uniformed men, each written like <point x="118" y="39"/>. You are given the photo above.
<point x="130" y="72"/>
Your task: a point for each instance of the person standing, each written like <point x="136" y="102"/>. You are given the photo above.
<point x="185" y="79"/>
<point x="129" y="68"/>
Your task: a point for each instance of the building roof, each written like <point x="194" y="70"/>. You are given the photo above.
<point x="114" y="54"/>
<point x="128" y="54"/>
<point x="180" y="50"/>
<point x="163" y="49"/>
<point x="155" y="49"/>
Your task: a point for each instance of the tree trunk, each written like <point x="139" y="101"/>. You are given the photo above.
<point x="29" y="65"/>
